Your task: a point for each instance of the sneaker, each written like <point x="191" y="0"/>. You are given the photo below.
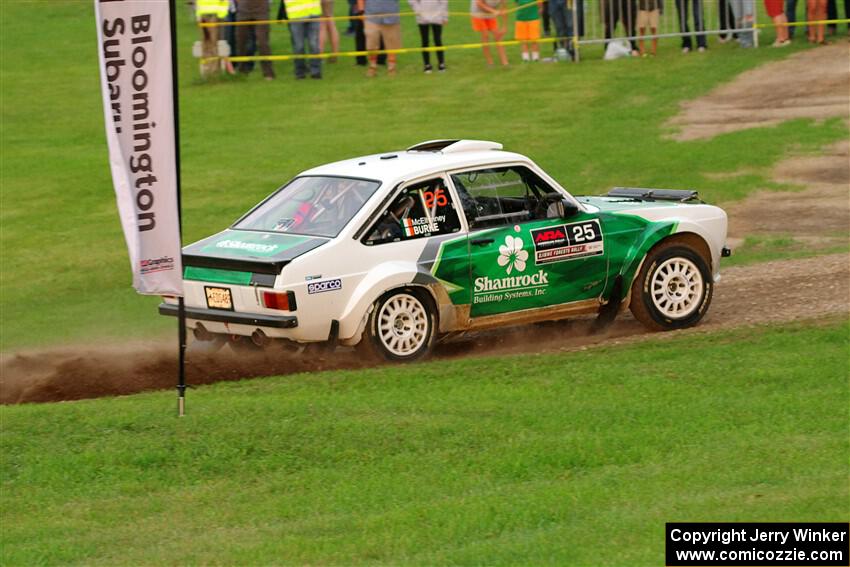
<point x="428" y="69"/>
<point x="722" y="39"/>
<point x="686" y="50"/>
<point x="372" y="71"/>
<point x="391" y="70"/>
<point x="701" y="49"/>
<point x="442" y="68"/>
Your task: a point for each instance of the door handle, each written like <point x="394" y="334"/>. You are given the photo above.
<point x="482" y="241"/>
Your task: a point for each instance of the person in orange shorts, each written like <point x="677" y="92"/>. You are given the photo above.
<point x="485" y="20"/>
<point x="527" y="28"/>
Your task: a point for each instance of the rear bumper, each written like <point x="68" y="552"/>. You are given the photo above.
<point x="253" y="319"/>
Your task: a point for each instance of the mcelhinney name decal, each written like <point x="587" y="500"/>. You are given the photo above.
<point x="134" y="50"/>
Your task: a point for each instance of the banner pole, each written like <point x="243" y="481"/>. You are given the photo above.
<point x="181" y="307"/>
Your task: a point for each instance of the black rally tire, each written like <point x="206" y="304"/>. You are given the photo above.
<point x="401" y="326"/>
<point x="673" y="289"/>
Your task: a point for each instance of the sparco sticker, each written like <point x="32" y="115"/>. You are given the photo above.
<point x="567" y="242"/>
<point x="327" y="285"/>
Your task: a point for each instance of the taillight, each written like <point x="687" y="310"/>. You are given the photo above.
<point x="283" y="301"/>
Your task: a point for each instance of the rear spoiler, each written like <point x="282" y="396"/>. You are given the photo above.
<point x="642" y="194"/>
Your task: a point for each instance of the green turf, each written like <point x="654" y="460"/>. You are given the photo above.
<point x="64" y="273"/>
<point x="575" y="458"/>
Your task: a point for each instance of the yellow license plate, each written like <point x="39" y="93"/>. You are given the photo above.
<point x="219" y="298"/>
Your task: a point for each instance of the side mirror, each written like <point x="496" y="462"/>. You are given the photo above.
<point x="566" y="209"/>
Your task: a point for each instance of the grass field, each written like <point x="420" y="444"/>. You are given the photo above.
<point x="65" y="275"/>
<point x="572" y="458"/>
<point x="575" y="458"/>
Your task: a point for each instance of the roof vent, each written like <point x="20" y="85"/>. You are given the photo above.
<point x="455" y="146"/>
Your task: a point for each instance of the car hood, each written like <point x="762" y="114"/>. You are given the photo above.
<point x="616" y="204"/>
<point x="248" y="250"/>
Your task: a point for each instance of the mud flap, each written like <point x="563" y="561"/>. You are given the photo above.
<point x="608" y="312"/>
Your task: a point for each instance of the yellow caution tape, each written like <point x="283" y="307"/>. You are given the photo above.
<point x="795" y="24"/>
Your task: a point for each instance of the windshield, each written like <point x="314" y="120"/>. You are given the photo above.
<point x="315" y="206"/>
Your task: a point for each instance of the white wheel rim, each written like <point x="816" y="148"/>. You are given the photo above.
<point x="402" y="325"/>
<point x="676" y="288"/>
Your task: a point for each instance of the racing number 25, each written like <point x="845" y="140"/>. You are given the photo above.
<point x="583" y="232"/>
<point x="437" y="197"/>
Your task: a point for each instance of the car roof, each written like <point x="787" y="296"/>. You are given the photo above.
<point x="438" y="155"/>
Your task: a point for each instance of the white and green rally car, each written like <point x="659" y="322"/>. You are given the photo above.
<point x="392" y="251"/>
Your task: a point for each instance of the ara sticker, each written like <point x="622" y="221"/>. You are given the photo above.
<point x="567" y="242"/>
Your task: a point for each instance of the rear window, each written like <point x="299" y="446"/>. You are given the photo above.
<point x="312" y="206"/>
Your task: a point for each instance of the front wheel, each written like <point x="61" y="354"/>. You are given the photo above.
<point x="673" y="289"/>
<point x="401" y="326"/>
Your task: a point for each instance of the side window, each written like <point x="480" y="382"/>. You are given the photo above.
<point x="420" y="210"/>
<point x="502" y="195"/>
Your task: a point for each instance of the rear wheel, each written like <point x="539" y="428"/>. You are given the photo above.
<point x="401" y="326"/>
<point x="673" y="289"/>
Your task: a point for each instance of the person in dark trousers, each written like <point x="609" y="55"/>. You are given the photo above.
<point x="547" y="29"/>
<point x="699" y="24"/>
<point x="303" y="16"/>
<point x="791" y="15"/>
<point x="561" y="15"/>
<point x="613" y="11"/>
<point x="431" y="15"/>
<point x="724" y="14"/>
<point x="251" y="11"/>
<point x="352" y="11"/>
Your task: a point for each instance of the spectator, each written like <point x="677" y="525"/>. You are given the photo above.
<point x="724" y="14"/>
<point x="211" y="11"/>
<point x="831" y="14"/>
<point x="816" y="11"/>
<point x="485" y="20"/>
<point x="527" y="28"/>
<point x="328" y="31"/>
<point x="648" y="15"/>
<point x="776" y="12"/>
<point x="352" y="11"/>
<point x="562" y="18"/>
<point x="382" y="23"/>
<point x="544" y="13"/>
<point x="431" y="15"/>
<point x="791" y="16"/>
<point x="360" y="40"/>
<point x="304" y="30"/>
<point x="252" y="11"/>
<point x="743" y="11"/>
<point x="699" y="24"/>
<point x="613" y="11"/>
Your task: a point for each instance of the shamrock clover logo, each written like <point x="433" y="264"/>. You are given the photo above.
<point x="512" y="255"/>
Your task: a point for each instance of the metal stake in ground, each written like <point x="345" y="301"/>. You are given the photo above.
<point x="181" y="307"/>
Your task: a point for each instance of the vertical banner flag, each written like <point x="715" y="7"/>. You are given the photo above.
<point x="134" y="48"/>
